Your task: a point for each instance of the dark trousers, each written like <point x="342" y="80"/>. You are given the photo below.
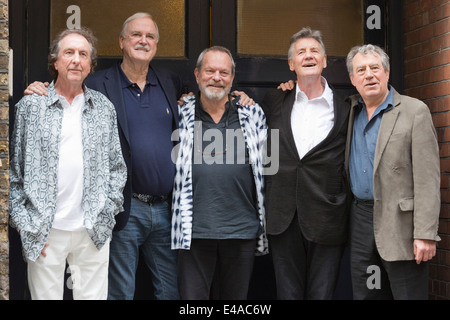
<point x="228" y="262"/>
<point x="304" y="270"/>
<point x="375" y="278"/>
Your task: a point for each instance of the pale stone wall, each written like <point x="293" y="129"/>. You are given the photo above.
<point x="4" y="150"/>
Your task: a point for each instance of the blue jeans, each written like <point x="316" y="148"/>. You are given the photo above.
<point x="148" y="229"/>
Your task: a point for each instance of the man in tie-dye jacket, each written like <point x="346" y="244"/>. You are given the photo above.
<point x="218" y="199"/>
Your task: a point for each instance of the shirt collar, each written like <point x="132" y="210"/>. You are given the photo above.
<point x="203" y="115"/>
<point x="327" y="93"/>
<point x="53" y="97"/>
<point x="151" y="78"/>
<point x="386" y="105"/>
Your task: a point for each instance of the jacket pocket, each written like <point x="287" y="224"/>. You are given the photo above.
<point x="406" y="204"/>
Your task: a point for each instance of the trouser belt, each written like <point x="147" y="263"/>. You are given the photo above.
<point x="149" y="198"/>
<point x="364" y="202"/>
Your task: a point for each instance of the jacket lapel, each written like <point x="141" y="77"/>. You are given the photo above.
<point x="385" y="131"/>
<point x="286" y="110"/>
<point x="113" y="90"/>
<point x="352" y="103"/>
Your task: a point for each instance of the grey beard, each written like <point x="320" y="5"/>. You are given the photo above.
<point x="216" y="95"/>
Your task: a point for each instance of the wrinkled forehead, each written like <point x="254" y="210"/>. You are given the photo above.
<point x="307" y="43"/>
<point x="367" y="59"/>
<point x="144" y="25"/>
<point x="74" y="41"/>
<point x="217" y="60"/>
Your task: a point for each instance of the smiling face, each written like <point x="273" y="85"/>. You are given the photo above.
<point x="370" y="78"/>
<point x="308" y="58"/>
<point x="215" y="77"/>
<point x="74" y="59"/>
<point x="139" y="43"/>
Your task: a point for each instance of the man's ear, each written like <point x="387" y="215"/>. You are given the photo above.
<point x="351" y="79"/>
<point x="196" y="74"/>
<point x="121" y="42"/>
<point x="291" y="65"/>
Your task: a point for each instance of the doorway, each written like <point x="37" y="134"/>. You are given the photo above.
<point x="257" y="34"/>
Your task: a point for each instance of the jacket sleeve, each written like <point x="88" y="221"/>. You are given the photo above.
<point x="17" y="196"/>
<point x="426" y="176"/>
<point x="118" y="170"/>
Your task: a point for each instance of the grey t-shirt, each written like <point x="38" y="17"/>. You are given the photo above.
<point x="223" y="185"/>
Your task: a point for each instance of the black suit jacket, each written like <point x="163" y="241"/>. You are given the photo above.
<point x="108" y="82"/>
<point x="315" y="187"/>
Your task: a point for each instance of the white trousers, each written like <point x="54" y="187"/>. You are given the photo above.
<point x="88" y="268"/>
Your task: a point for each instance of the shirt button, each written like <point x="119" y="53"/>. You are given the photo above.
<point x="364" y="171"/>
<point x="138" y="94"/>
<point x="367" y="190"/>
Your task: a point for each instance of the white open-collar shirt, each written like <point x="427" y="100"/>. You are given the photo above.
<point x="69" y="211"/>
<point x="311" y="120"/>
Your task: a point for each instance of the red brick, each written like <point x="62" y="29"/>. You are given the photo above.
<point x="444" y="243"/>
<point x="439" y="104"/>
<point x="425" y="5"/>
<point x="445" y="165"/>
<point x="444" y="227"/>
<point x="434" y="90"/>
<point x="445" y="211"/>
<point x="439" y="13"/>
<point x="411" y="9"/>
<point x="443" y="289"/>
<point x="412" y="37"/>
<point x="441" y="27"/>
<point x="426" y="33"/>
<point x="444" y="273"/>
<point x="445" y="178"/>
<point x="440" y="120"/>
<point x="445" y="194"/>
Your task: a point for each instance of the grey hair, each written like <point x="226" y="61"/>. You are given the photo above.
<point x="137" y="16"/>
<point x="55" y="46"/>
<point x="306" y="32"/>
<point x="215" y="48"/>
<point x="365" y="50"/>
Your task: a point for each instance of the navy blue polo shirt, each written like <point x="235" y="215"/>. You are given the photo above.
<point x="362" y="151"/>
<point x="150" y="123"/>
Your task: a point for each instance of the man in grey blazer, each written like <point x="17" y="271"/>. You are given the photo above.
<point x="392" y="159"/>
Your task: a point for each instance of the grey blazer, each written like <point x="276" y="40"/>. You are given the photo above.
<point x="406" y="184"/>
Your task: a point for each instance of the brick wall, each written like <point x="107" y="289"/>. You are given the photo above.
<point x="427" y="73"/>
<point x="4" y="131"/>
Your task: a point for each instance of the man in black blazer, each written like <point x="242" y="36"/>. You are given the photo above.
<point x="306" y="200"/>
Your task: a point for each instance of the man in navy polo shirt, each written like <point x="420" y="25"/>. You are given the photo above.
<point x="147" y="99"/>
